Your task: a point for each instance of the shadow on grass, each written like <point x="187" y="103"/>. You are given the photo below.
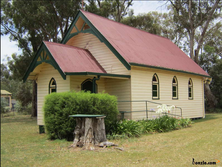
<point x="207" y="118"/>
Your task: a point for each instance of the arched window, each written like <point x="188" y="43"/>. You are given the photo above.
<point x="155" y="87"/>
<point x="52" y="86"/>
<point x="175" y="88"/>
<point x="87" y="85"/>
<point x="190" y="89"/>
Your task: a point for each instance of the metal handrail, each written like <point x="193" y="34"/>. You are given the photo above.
<point x="147" y="101"/>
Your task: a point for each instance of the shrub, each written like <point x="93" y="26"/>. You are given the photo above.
<point x="130" y="128"/>
<point x="164" y="124"/>
<point x="26" y="110"/>
<point x="58" y="107"/>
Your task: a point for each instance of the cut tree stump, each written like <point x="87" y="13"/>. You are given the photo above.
<point x="89" y="131"/>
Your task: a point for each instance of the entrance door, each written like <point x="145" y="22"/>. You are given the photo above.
<point x="87" y="85"/>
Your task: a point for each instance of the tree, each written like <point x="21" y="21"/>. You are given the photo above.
<point x="193" y="16"/>
<point x="112" y="9"/>
<point x="31" y="22"/>
<point x="157" y="23"/>
<point x="149" y="22"/>
<point x="20" y="91"/>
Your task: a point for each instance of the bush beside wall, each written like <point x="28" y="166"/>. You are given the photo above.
<point x="131" y="128"/>
<point x="58" y="107"/>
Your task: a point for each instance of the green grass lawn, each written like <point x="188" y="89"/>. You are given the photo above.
<point x="22" y="145"/>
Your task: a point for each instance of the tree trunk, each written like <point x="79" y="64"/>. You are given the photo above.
<point x="210" y="98"/>
<point x="200" y="41"/>
<point x="89" y="132"/>
<point x="34" y="99"/>
<point x="192" y="30"/>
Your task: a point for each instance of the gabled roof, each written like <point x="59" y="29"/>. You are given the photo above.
<point x="66" y="59"/>
<point x="139" y="48"/>
<point x="73" y="59"/>
<point x="5" y="92"/>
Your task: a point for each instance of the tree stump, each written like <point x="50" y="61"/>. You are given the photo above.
<point x="89" y="131"/>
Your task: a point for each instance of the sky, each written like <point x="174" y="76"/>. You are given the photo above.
<point x="9" y="47"/>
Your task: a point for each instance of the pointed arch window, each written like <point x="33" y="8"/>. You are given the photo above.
<point x="87" y="85"/>
<point x="190" y="89"/>
<point x="174" y="88"/>
<point x="155" y="87"/>
<point x="52" y="86"/>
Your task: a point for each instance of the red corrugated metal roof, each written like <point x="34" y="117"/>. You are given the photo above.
<point x="137" y="46"/>
<point x="73" y="59"/>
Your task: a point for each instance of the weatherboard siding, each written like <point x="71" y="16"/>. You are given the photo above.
<point x="121" y="89"/>
<point x="141" y="88"/>
<point x="46" y="73"/>
<point x="100" y="51"/>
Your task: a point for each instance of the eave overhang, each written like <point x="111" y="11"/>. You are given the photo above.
<point x="43" y="55"/>
<point x="207" y="77"/>
<point x="95" y="32"/>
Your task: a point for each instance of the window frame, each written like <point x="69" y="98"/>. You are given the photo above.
<point x="176" y="86"/>
<point x="190" y="89"/>
<point x="157" y="86"/>
<point x="54" y="86"/>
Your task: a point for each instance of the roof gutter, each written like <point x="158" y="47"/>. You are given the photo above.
<point x="100" y="74"/>
<point x="169" y="69"/>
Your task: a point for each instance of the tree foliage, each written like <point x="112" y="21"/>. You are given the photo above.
<point x="194" y="17"/>
<point x="29" y="23"/>
<point x="20" y="91"/>
<point x="112" y="9"/>
<point x="157" y="23"/>
<point x="212" y="63"/>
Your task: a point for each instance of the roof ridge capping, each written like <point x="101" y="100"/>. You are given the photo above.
<point x="65" y="45"/>
<point x="123" y="24"/>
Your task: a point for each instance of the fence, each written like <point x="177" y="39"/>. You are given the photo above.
<point x="144" y="109"/>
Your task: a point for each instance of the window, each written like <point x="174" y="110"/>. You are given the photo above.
<point x="5" y="101"/>
<point x="190" y="89"/>
<point x="155" y="87"/>
<point x="87" y="85"/>
<point x="52" y="86"/>
<point x="175" y="88"/>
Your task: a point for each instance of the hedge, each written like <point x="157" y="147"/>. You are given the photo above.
<point x="58" y="107"/>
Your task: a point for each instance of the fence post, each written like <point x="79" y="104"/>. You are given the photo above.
<point x="146" y="111"/>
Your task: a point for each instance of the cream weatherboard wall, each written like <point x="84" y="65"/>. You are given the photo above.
<point x="46" y="73"/>
<point x="141" y="89"/>
<point x="100" y="51"/>
<point x="121" y="88"/>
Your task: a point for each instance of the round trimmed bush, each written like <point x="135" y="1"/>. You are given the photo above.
<point x="58" y="107"/>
